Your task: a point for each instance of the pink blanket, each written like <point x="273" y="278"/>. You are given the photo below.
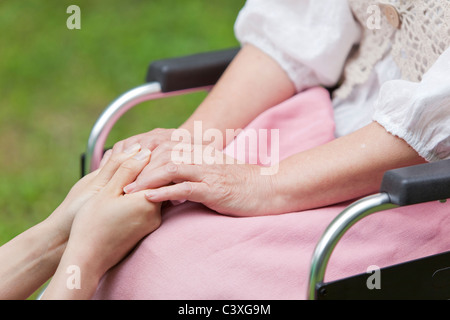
<point x="199" y="254"/>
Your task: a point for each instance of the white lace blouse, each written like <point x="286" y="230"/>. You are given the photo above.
<point x="312" y="41"/>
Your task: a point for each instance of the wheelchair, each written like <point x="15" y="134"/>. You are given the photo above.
<point x="401" y="187"/>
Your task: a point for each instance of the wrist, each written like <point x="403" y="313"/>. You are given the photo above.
<point x="269" y="199"/>
<point x="29" y="260"/>
<point x="76" y="278"/>
<point x="288" y="189"/>
<point x="91" y="262"/>
<point x="48" y="240"/>
<point x="58" y="224"/>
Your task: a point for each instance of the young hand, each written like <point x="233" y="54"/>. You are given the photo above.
<point x="85" y="189"/>
<point x="106" y="228"/>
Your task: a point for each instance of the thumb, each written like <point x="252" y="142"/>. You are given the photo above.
<point x="128" y="171"/>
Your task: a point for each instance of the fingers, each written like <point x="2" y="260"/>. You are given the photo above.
<point x="189" y="191"/>
<point x="120" y="146"/>
<point x="123" y="145"/>
<point x="128" y="172"/>
<point x="106" y="157"/>
<point x="149" y="140"/>
<point x="113" y="162"/>
<point x="165" y="175"/>
<point x="160" y="171"/>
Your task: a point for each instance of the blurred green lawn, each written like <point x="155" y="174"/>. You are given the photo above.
<point x="55" y="82"/>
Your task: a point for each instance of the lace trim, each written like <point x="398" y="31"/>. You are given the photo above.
<point x="423" y="36"/>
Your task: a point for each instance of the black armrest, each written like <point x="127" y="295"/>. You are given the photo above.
<point x="418" y="184"/>
<point x="192" y="71"/>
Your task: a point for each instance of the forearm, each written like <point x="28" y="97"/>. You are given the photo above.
<point x="347" y="168"/>
<point x="76" y="277"/>
<point x="251" y="84"/>
<point x="29" y="260"/>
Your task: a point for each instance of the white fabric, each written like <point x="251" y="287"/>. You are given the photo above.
<point x="419" y="112"/>
<point x="311" y="41"/>
<point x="355" y="111"/>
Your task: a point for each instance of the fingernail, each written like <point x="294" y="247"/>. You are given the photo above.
<point x="130" y="188"/>
<point x="142" y="155"/>
<point x="133" y="149"/>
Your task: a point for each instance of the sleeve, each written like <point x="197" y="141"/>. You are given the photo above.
<point x="419" y="112"/>
<point x="310" y="39"/>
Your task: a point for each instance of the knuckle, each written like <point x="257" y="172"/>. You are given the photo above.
<point x="223" y="191"/>
<point x="171" y="168"/>
<point x="118" y="146"/>
<point x="210" y="180"/>
<point x="166" y="145"/>
<point x="128" y="165"/>
<point x="172" y="156"/>
<point x="116" y="159"/>
<point x="187" y="188"/>
<point x="218" y="186"/>
<point x="157" y="131"/>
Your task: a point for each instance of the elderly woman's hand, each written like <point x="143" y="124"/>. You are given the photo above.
<point x="213" y="179"/>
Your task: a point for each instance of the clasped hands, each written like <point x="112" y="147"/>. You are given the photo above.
<point x="110" y="210"/>
<point x="218" y="182"/>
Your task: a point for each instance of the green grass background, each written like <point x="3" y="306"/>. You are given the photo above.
<point x="55" y="82"/>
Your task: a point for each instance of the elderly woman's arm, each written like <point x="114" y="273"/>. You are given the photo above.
<point x="412" y="126"/>
<point x="344" y="169"/>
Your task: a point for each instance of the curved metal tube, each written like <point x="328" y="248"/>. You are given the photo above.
<point x="351" y="215"/>
<point x="112" y="114"/>
<point x="109" y="117"/>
